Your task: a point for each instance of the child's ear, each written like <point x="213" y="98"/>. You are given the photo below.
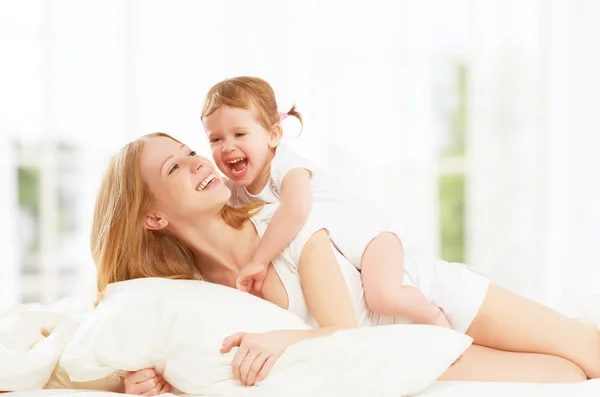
<point x="155" y="221"/>
<point x="275" y="132"/>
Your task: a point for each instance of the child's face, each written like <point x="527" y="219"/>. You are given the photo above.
<point x="241" y="146"/>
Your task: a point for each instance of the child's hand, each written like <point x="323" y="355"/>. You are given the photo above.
<point x="251" y="277"/>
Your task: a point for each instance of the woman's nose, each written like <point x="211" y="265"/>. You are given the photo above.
<point x="196" y="163"/>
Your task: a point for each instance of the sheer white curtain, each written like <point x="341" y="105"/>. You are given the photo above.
<point x="533" y="219"/>
<point x="503" y="144"/>
<point x="93" y="75"/>
<point x="9" y="265"/>
<point x="19" y="77"/>
<point x="572" y="182"/>
<point x="373" y="77"/>
<point x="362" y="81"/>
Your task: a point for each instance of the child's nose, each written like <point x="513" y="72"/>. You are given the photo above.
<point x="228" y="146"/>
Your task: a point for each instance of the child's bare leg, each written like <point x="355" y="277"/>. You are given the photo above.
<point x="382" y="269"/>
<point x="507" y="321"/>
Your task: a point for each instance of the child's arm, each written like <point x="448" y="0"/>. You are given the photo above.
<point x="285" y="224"/>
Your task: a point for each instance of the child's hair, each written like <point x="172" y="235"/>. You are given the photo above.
<point x="244" y="93"/>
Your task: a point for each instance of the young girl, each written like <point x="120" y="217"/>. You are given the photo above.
<point x="243" y="124"/>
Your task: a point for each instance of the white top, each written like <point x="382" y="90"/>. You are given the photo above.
<point x="286" y="265"/>
<point x="452" y="287"/>
<point x="351" y="225"/>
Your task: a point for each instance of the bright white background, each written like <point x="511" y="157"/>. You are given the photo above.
<point x="501" y="97"/>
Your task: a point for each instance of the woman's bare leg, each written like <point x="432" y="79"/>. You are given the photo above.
<point x="507" y="321"/>
<point x="483" y="364"/>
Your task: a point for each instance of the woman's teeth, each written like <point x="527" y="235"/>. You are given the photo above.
<point x="205" y="182"/>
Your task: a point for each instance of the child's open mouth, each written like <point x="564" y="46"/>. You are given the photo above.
<point x="238" y="165"/>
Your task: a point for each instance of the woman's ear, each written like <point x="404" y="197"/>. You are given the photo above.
<point x="155" y="221"/>
<point x="276" y="132"/>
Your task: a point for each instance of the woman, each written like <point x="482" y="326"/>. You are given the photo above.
<point x="161" y="212"/>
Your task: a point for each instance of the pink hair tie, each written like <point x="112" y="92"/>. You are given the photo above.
<point x="282" y="116"/>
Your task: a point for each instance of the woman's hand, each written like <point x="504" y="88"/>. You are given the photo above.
<point x="146" y="382"/>
<point x="256" y="354"/>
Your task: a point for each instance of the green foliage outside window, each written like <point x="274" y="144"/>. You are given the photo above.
<point x="452" y="187"/>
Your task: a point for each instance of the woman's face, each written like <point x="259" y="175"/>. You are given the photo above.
<point x="183" y="184"/>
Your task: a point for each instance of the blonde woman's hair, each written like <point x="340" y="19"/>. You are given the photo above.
<point x="245" y="92"/>
<point x="122" y="248"/>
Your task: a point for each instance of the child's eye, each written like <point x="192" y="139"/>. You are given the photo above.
<point x="239" y="134"/>
<point x="173" y="168"/>
<point x="192" y="153"/>
<point x="214" y="140"/>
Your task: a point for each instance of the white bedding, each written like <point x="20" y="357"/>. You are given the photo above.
<point x="175" y="327"/>
<point x="26" y="368"/>
<point x="496" y="389"/>
<point x="439" y="389"/>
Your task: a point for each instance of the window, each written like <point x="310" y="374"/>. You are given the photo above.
<point x="47" y="217"/>
<point x="450" y="94"/>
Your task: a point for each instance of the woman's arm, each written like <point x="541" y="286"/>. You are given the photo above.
<point x="325" y="289"/>
<point x="324" y="286"/>
<point x="327" y="297"/>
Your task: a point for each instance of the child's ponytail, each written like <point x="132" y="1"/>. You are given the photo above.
<point x="294" y="113"/>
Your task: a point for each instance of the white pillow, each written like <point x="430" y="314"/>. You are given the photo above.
<point x="391" y="360"/>
<point x="178" y="326"/>
<point x="161" y="323"/>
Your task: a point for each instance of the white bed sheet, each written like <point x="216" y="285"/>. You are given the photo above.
<point x="591" y="388"/>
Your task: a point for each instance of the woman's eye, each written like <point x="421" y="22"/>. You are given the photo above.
<point x="173" y="168"/>
<point x="239" y="134"/>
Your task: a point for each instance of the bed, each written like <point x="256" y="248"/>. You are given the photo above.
<point x="131" y="329"/>
<point x="439" y="389"/>
<point x="493" y="389"/>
